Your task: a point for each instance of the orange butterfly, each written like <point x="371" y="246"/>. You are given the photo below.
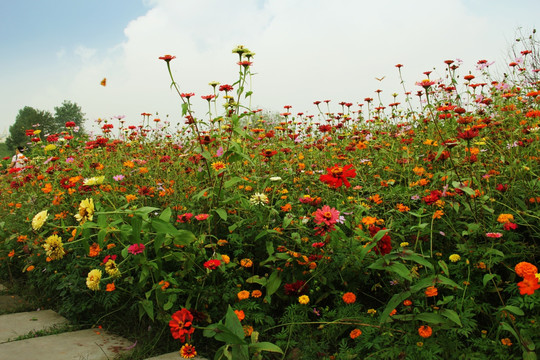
<point x="104" y="82"/>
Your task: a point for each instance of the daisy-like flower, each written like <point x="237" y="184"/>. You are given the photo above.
<point x="54" y="248"/>
<point x="259" y="199"/>
<point x="188" y="351"/>
<point x="218" y="165"/>
<point x="93" y="279"/>
<point x="98" y="180"/>
<point x="454" y="258"/>
<point x="327" y="215"/>
<point x="111" y="268"/>
<point x="336" y="176"/>
<point x="39" y="219"/>
<point x="86" y="211"/>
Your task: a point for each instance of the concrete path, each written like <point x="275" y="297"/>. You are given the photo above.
<point x="24" y="323"/>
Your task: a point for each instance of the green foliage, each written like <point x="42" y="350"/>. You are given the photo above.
<point x="25" y="120"/>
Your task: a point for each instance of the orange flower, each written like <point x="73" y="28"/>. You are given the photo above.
<point x="407" y="302"/>
<point x="506" y="342"/>
<point x="94" y="250"/>
<point x="240" y="314"/>
<point x="47" y="189"/>
<point x="164" y="284"/>
<point x="11" y="253"/>
<point x="246" y="263"/>
<point x="431" y="291"/>
<point x="349" y="298"/>
<point x="286" y="208"/>
<point x="30" y="268"/>
<point x="525" y="269"/>
<point x="355" y="333"/>
<point x="425" y="331"/>
<point x="529" y="285"/>
<point x="248" y="330"/>
<point x="438" y="214"/>
<point x="22" y="238"/>
<point x="243" y="295"/>
<point x="110" y="287"/>
<point x="256" y="293"/>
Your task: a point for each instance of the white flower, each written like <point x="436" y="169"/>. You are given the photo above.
<point x="275" y="178"/>
<point x="94" y="181"/>
<point x="259" y="199"/>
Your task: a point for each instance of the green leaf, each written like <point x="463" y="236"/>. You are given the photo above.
<point x="393" y="303"/>
<point x="465" y="189"/>
<point x="487" y="278"/>
<point x="232" y="182"/>
<point x="431" y="318"/>
<point x="514" y="310"/>
<point x="273" y="283"/>
<point x="145" y="210"/>
<point x="184" y="109"/>
<point x="401" y="270"/>
<point x="447" y="281"/>
<point x="452" y="315"/>
<point x="222" y="214"/>
<point x="257" y="280"/>
<point x="233" y="324"/>
<point x="265" y="346"/>
<point x="183" y="237"/>
<point x="444" y="267"/>
<point x="147" y="307"/>
<point x="166" y="215"/>
<point x="418" y="259"/>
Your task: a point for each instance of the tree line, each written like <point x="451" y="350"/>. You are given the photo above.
<point x="31" y="118"/>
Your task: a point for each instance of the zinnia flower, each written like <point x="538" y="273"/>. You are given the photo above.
<point x="243" y="295"/>
<point x="327" y="215"/>
<point x="529" y="285"/>
<point x="336" y="176"/>
<point x="54" y="248"/>
<point x="525" y="269"/>
<point x="181" y="325"/>
<point x="259" y="199"/>
<point x="349" y="298"/>
<point x="304" y="299"/>
<point x="94" y="181"/>
<point x="201" y="217"/>
<point x="111" y="268"/>
<point x="425" y="331"/>
<point x="93" y="279"/>
<point x="39" y="219"/>
<point x="136" y="249"/>
<point x="86" y="211"/>
<point x="355" y="333"/>
<point x="454" y="258"/>
<point x="188" y="351"/>
<point x="212" y="264"/>
<point x="431" y="291"/>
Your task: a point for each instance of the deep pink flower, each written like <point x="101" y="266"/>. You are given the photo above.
<point x="184" y="218"/>
<point x="136" y="249"/>
<point x="494" y="235"/>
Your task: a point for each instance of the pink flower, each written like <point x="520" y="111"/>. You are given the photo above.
<point x="494" y="235"/>
<point x="136" y="249"/>
<point x="201" y="217"/>
<point x="327" y="215"/>
<point x="184" y="218"/>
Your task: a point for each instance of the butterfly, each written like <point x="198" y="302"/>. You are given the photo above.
<point x="380" y="79"/>
<point x="104" y="82"/>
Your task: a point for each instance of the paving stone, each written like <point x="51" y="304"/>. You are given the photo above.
<point x="90" y="344"/>
<point x="11" y="303"/>
<point x="17" y="324"/>
<point x="172" y="356"/>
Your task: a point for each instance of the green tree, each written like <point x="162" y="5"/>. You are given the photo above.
<point x="27" y="118"/>
<point x="68" y="111"/>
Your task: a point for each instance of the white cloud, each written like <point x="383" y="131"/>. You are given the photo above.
<point x="306" y="50"/>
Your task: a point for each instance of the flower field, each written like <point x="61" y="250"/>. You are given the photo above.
<point x="367" y="231"/>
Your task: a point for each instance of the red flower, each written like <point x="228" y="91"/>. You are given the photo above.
<point x="181" y="325"/>
<point x="384" y="245"/>
<point x="468" y="134"/>
<point x="337" y="176"/>
<point x="136" y="249"/>
<point x="167" y="58"/>
<point x="212" y="264"/>
<point x="268" y="153"/>
<point x="296" y="288"/>
<point x="225" y="87"/>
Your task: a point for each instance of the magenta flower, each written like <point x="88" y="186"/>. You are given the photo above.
<point x="494" y="235"/>
<point x="136" y="249"/>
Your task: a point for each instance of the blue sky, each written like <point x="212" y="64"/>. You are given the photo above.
<point x="306" y="50"/>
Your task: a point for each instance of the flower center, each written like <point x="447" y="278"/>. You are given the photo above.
<point x="337" y="171"/>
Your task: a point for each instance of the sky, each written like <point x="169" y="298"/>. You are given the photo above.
<point x="306" y="50"/>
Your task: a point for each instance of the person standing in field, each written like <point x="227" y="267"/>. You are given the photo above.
<point x="18" y="161"/>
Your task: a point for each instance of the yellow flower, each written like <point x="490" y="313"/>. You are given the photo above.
<point x="505" y="218"/>
<point x="246" y="263"/>
<point x="111" y="268"/>
<point x="50" y="147"/>
<point x="372" y="311"/>
<point x="93" y="279"/>
<point x="454" y="258"/>
<point x="54" y="248"/>
<point x="218" y="165"/>
<point x="86" y="211"/>
<point x="404" y="244"/>
<point x="39" y="219"/>
<point x="98" y="180"/>
<point x="226" y="259"/>
<point x="304" y="299"/>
